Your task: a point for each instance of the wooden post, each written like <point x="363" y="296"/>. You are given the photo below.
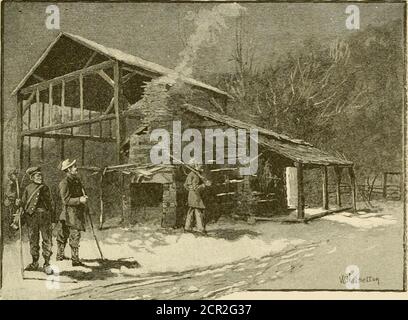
<point x="81" y="95"/>
<point x="90" y="125"/>
<point x="38" y="107"/>
<point x="301" y="197"/>
<point x="19" y="129"/>
<point x="72" y="119"/>
<point x="50" y="105"/>
<point x="101" y="205"/>
<point x="100" y="126"/>
<point x="83" y="151"/>
<point x="29" y="139"/>
<point x="20" y="137"/>
<point x="384" y="185"/>
<point x="42" y="125"/>
<point x="62" y="104"/>
<point x="325" y="189"/>
<point x="117" y="106"/>
<point x="353" y="188"/>
<point x="338" y="171"/>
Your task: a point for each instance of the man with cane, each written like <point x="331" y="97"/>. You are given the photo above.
<point x="72" y="218"/>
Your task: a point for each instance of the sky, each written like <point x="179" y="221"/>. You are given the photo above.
<point x="156" y="31"/>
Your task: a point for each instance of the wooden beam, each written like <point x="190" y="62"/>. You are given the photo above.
<point x="70" y="124"/>
<point x="110" y="107"/>
<point x="50" y="104"/>
<point x="100" y="126"/>
<point x="62" y="94"/>
<point x="81" y="95"/>
<point x="338" y="171"/>
<point x="301" y="197"/>
<point x="144" y="73"/>
<point x="353" y="188"/>
<point x="34" y="67"/>
<point x="20" y="137"/>
<point x="67" y="77"/>
<point x="384" y="185"/>
<point x="37" y="106"/>
<point x="72" y="119"/>
<point x="27" y="103"/>
<point x="90" y="60"/>
<point x="116" y="78"/>
<point x="101" y="204"/>
<point x="83" y="152"/>
<point x="29" y="139"/>
<point x="62" y="104"/>
<point x="105" y="77"/>
<point x="90" y="125"/>
<point x="325" y="189"/>
<point x="69" y="136"/>
<point x="129" y="76"/>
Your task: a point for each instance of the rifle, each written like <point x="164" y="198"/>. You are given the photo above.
<point x="198" y="173"/>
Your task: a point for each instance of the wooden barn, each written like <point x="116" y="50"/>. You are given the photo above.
<point x="81" y="90"/>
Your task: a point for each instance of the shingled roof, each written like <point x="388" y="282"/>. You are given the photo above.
<point x="294" y="149"/>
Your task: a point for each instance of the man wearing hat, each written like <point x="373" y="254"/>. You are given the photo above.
<point x="72" y="218"/>
<point x="39" y="215"/>
<point x="195" y="183"/>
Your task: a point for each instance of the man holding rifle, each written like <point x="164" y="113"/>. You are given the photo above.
<point x="12" y="199"/>
<point x="195" y="183"/>
<point x="72" y="218"/>
<point x="39" y="214"/>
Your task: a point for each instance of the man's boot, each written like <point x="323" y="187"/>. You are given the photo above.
<point x="33" y="266"/>
<point x="61" y="253"/>
<point x="47" y="267"/>
<point x="75" y="258"/>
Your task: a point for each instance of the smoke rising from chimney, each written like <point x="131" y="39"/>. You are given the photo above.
<point x="208" y="25"/>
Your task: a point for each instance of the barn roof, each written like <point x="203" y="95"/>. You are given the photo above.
<point x="118" y="55"/>
<point x="294" y="149"/>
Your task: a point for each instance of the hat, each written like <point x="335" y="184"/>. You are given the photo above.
<point x="67" y="163"/>
<point x="30" y="171"/>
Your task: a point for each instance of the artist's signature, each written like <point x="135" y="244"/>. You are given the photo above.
<point x="352" y="278"/>
<point x="355" y="280"/>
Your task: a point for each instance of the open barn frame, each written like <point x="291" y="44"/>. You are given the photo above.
<point x="77" y="83"/>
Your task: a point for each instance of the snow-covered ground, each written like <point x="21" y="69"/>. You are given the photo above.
<point x="230" y="249"/>
<point x="362" y="219"/>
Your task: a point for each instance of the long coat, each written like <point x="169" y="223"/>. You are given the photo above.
<point x="194" y="185"/>
<point x="73" y="211"/>
<point x="38" y="193"/>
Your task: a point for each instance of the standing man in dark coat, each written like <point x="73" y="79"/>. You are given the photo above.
<point x="11" y="199"/>
<point x="72" y="218"/>
<point x="195" y="184"/>
<point x="39" y="215"/>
